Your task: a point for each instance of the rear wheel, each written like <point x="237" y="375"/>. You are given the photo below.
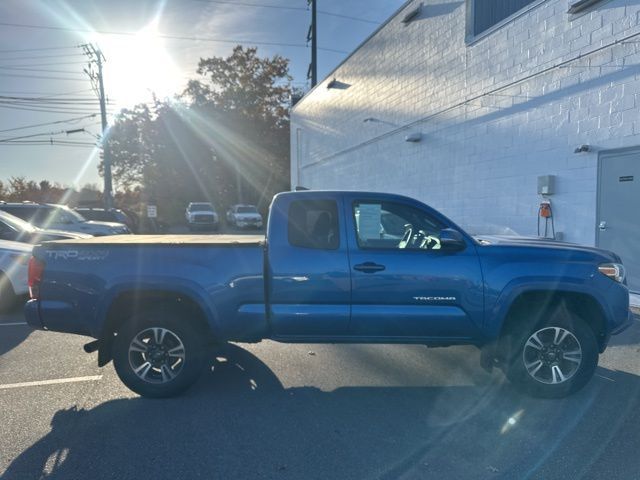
<point x="554" y="358"/>
<point x="158" y="354"/>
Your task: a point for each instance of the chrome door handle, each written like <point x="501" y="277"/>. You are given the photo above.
<point x="369" y="267"/>
<point x="602" y="226"/>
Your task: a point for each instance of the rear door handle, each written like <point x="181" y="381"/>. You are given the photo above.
<point x="369" y="267"/>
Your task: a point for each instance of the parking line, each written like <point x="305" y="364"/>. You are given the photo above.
<point x="54" y="381"/>
<point x="12" y="324"/>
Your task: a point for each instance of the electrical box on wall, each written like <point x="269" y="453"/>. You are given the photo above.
<point x="546" y="184"/>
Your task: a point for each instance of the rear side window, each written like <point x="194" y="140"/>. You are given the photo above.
<point x="314" y="224"/>
<point x="25" y="213"/>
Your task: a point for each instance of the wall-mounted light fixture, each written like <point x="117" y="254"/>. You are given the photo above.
<point x="412" y="14"/>
<point x="337" y="84"/>
<point x="583" y="149"/>
<point x="413" y="137"/>
<point x="377" y="120"/>
<point x="580" y="5"/>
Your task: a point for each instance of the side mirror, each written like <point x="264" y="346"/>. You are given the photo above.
<point x="451" y="240"/>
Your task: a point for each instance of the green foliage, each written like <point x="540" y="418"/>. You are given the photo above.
<point x="225" y="140"/>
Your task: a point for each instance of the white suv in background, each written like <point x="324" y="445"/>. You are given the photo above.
<point x="244" y="216"/>
<point x="201" y="215"/>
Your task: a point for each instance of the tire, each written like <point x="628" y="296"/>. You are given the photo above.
<point x="8" y="298"/>
<point x="159" y="354"/>
<point x="554" y="358"/>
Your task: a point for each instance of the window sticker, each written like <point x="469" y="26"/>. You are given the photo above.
<point x="368" y="221"/>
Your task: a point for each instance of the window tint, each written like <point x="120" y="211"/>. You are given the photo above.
<point x="25" y="213"/>
<point x="42" y="217"/>
<point x="62" y="215"/>
<point x="395" y="226"/>
<point x="248" y="209"/>
<point x="487" y="13"/>
<point x="200" y="207"/>
<point x="314" y="224"/>
<point x="4" y="228"/>
<point x="99" y="215"/>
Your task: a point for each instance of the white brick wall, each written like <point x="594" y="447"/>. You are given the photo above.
<point x="480" y="157"/>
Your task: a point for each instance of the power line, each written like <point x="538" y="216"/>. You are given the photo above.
<point x="43" y="64"/>
<point x="48" y="101"/>
<point x="17" y="75"/>
<point x="171" y="37"/>
<point x="72" y="111"/>
<point x="44" y="134"/>
<point x="42" y="56"/>
<point x="52" y="142"/>
<point x="42" y="70"/>
<point x="57" y="94"/>
<point x="283" y="7"/>
<point x="68" y="120"/>
<point x="38" y="49"/>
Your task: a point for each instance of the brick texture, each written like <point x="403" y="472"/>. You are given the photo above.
<point x="493" y="114"/>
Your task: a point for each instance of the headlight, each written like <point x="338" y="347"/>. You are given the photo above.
<point x="614" y="271"/>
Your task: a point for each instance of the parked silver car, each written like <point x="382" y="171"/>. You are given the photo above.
<point x="244" y="216"/>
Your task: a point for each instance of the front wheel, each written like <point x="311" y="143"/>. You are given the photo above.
<point x="159" y="354"/>
<point x="555" y="358"/>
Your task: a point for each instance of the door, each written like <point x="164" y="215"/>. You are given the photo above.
<point x="618" y="220"/>
<point x="403" y="284"/>
<point x="309" y="278"/>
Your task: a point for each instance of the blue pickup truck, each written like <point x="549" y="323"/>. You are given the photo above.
<point x="334" y="267"/>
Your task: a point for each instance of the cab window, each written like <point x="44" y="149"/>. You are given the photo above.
<point x="394" y="225"/>
<point x="314" y="224"/>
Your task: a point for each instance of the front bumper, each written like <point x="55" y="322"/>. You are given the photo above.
<point x="625" y="324"/>
<point x="249" y="224"/>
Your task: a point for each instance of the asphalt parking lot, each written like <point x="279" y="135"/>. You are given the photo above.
<point x="310" y="411"/>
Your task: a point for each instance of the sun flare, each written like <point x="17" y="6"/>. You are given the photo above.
<point x="137" y="67"/>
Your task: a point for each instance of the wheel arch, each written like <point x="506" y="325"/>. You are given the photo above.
<point x="126" y="303"/>
<point x="535" y="304"/>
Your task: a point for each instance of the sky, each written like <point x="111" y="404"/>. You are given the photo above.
<point x="43" y="86"/>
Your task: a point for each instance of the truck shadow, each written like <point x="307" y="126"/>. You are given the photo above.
<point x="239" y="422"/>
<point x="13" y="335"/>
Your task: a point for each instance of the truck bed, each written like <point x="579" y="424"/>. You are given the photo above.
<point x="216" y="240"/>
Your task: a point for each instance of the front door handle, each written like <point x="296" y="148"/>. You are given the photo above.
<point x="602" y="226"/>
<point x="369" y="267"/>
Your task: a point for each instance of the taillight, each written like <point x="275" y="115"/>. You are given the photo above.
<point x="36" y="267"/>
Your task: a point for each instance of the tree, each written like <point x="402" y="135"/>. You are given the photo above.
<point x="225" y="138"/>
<point x="246" y="110"/>
<point x="131" y="142"/>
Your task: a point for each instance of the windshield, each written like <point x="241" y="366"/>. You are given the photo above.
<point x="201" y="207"/>
<point x="16" y="223"/>
<point x="248" y="209"/>
<point x="64" y="215"/>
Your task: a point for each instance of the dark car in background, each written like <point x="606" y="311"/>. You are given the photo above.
<point x="17" y="230"/>
<point x="110" y="215"/>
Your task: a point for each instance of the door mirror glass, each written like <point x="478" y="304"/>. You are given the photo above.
<point x="451" y="240"/>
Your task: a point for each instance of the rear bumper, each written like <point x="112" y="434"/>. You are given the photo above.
<point x="60" y="317"/>
<point x="32" y="314"/>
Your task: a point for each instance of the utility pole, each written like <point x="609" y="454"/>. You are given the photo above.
<point x="312" y="36"/>
<point x="96" y="58"/>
